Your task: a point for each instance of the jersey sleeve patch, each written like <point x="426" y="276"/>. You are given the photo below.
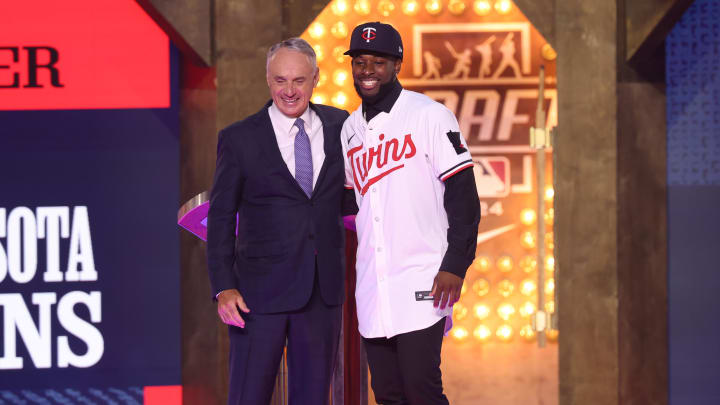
<point x="454" y="138"/>
<point x="456" y="169"/>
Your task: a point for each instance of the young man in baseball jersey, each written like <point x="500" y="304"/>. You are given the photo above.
<point x="417" y="221"/>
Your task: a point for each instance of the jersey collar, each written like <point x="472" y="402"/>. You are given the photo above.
<point x="385" y="104"/>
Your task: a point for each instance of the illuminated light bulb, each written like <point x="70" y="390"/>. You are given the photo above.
<point x="549" y="241"/>
<point x="550" y="263"/>
<point x="338" y="54"/>
<point x="549" y="193"/>
<point x="527" y="287"/>
<point x="340" y="7"/>
<point x="386" y="7"/>
<point x="322" y="79"/>
<point x="503" y="6"/>
<point x="460" y="311"/>
<point x="481" y="264"/>
<point x="457" y="7"/>
<point x="528" y="216"/>
<point x="319" y="54"/>
<point x="482" y="333"/>
<point x="528" y="264"/>
<point x="459" y="333"/>
<point x="339" y="30"/>
<point x="482" y="7"/>
<point x="319" y="98"/>
<point x="481" y="287"/>
<point x="527" y="333"/>
<point x="550" y="286"/>
<point x="504" y="332"/>
<point x="550" y="307"/>
<point x="527" y="240"/>
<point x="433" y="7"/>
<point x="549" y="216"/>
<point x="316" y="30"/>
<point x="481" y="311"/>
<point x="527" y="309"/>
<point x="340" y="76"/>
<point x="505" y="311"/>
<point x="552" y="334"/>
<point x="506" y="288"/>
<point x="339" y="99"/>
<point x="548" y="53"/>
<point x="410" y="7"/>
<point x="362" y="7"/>
<point x="505" y="264"/>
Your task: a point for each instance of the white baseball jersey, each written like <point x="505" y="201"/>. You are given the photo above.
<point x="396" y="165"/>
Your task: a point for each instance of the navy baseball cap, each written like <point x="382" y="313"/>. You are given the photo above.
<point x="376" y="37"/>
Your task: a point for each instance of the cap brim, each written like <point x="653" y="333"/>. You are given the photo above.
<point x="354" y="52"/>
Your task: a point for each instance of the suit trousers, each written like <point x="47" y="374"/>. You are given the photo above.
<point x="312" y="334"/>
<point x="405" y="369"/>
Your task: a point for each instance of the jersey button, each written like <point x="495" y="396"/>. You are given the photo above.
<point x="382" y="278"/>
<point x="377" y="219"/>
<point x="379" y="249"/>
<point x="374" y="189"/>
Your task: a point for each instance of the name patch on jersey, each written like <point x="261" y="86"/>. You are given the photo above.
<point x="454" y="138"/>
<point x="386" y="157"/>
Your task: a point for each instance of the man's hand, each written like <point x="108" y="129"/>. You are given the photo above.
<point x="228" y="303"/>
<point x="446" y="289"/>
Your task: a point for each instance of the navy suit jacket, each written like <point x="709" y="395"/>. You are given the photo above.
<point x="281" y="233"/>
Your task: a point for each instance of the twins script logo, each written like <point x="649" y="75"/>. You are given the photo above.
<point x="378" y="157"/>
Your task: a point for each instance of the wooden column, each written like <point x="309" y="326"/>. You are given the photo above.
<point x="586" y="203"/>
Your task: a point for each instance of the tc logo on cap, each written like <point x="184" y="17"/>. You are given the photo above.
<point x="368" y="34"/>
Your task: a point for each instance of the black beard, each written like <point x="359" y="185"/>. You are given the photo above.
<point x="382" y="92"/>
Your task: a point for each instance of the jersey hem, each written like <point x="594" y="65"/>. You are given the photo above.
<point x="413" y="329"/>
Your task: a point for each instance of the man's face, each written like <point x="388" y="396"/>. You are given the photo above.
<point x="370" y="71"/>
<point x="291" y="79"/>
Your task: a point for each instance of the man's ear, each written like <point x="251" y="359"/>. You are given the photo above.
<point x="316" y="77"/>
<point x="398" y="64"/>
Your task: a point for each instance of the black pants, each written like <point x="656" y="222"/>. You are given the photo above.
<point x="312" y="334"/>
<point x="405" y="369"/>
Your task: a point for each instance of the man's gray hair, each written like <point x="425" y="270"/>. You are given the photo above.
<point x="295" y="44"/>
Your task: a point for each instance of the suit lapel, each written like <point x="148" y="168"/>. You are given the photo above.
<point x="327" y="145"/>
<point x="268" y="144"/>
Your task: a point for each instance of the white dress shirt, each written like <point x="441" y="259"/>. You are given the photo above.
<point x="285" y="131"/>
<point x="396" y="164"/>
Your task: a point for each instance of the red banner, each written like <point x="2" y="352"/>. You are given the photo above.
<point x="81" y="54"/>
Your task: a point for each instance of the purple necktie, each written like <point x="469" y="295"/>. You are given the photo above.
<point x="303" y="159"/>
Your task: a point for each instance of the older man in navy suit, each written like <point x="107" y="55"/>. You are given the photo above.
<point x="280" y="172"/>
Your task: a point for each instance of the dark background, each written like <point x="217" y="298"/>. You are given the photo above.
<point x="693" y="139"/>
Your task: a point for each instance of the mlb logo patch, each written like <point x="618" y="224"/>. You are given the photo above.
<point x="492" y="176"/>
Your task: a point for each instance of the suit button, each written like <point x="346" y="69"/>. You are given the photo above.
<point x="311" y="237"/>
